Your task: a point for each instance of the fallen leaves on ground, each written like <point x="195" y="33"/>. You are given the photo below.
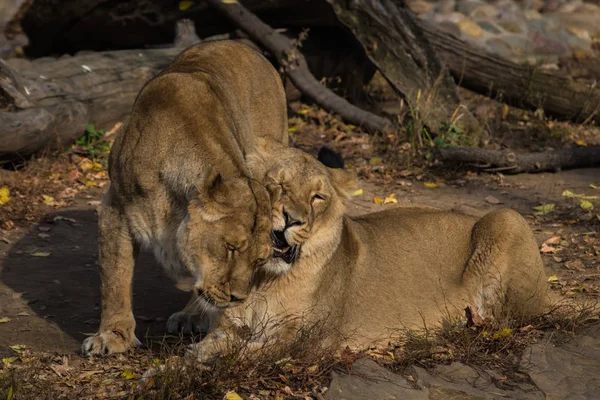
<point x="41" y="253"/>
<point x="390" y="199"/>
<point x="586" y="205"/>
<point x="547" y="246"/>
<point x="4" y="195"/>
<point x="544" y="209"/>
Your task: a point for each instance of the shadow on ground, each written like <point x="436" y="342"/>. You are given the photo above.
<point x="54" y="299"/>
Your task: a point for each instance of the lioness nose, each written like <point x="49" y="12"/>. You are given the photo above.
<point x="291" y="221"/>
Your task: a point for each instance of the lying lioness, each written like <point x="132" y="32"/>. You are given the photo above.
<point x="367" y="276"/>
<point x="180" y="184"/>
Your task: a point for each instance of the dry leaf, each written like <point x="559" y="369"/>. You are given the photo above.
<point x="586" y="205"/>
<point x="357" y="192"/>
<point x="48" y="200"/>
<point x="4" y="195"/>
<point x="492" y="200"/>
<point x="548" y="249"/>
<point x="91" y="184"/>
<point x="553" y="240"/>
<point x="23" y="314"/>
<point x="127" y="374"/>
<point x="375" y="161"/>
<point x="18" y="348"/>
<point x="184" y="5"/>
<point x="232" y="396"/>
<point x="594" y="186"/>
<point x="391" y="199"/>
<point x="544" y="209"/>
<point x="575" y="265"/>
<point x="581" y="142"/>
<point x="41" y="253"/>
<point x="7" y="360"/>
<point x="4" y="320"/>
<point x="431" y="185"/>
<point x="552" y="278"/>
<point x="502" y="333"/>
<point x="526" y="328"/>
<point x="377" y="200"/>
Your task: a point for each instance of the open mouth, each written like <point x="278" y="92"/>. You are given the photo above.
<point x="282" y="249"/>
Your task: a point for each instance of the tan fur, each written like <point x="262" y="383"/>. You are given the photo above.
<point x="368" y="276"/>
<point x="180" y="184"/>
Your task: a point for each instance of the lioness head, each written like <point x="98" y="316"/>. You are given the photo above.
<point x="307" y="204"/>
<point x="224" y="237"/>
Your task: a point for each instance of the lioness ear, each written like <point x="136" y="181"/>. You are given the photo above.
<point x="343" y="181"/>
<point x="206" y="186"/>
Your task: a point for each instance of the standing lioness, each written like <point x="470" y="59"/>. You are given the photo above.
<point x="366" y="277"/>
<point x="180" y="185"/>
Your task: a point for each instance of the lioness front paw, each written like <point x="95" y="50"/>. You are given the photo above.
<point x="202" y="351"/>
<point x="108" y="342"/>
<point x="188" y="324"/>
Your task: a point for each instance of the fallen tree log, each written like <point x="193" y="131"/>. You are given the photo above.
<point x="521" y="86"/>
<point x="49" y="102"/>
<point x="510" y="162"/>
<point x="396" y="45"/>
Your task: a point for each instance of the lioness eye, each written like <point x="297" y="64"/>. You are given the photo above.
<point x="317" y="197"/>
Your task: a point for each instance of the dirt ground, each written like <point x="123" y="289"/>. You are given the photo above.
<point x="49" y="287"/>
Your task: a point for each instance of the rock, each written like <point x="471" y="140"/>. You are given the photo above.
<point x="467" y="6"/>
<point x="450" y="28"/>
<point x="569" y="372"/>
<point x="582" y="34"/>
<point x="512" y="27"/>
<point x="533" y="5"/>
<point x="587" y="17"/>
<point x="453" y="17"/>
<point x="489" y="27"/>
<point x="544" y="45"/>
<point x="570" y="6"/>
<point x="543" y="25"/>
<point x="443" y="393"/>
<point x="499" y="47"/>
<point x="509" y="11"/>
<point x="419" y="6"/>
<point x="532" y="14"/>
<point x="470" y="29"/>
<point x="371" y="381"/>
<point x="459" y="381"/>
<point x="484" y="11"/>
<point x="445" y="6"/>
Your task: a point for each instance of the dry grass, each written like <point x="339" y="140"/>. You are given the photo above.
<point x="299" y="368"/>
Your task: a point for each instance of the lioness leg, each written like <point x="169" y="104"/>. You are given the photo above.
<point x="192" y="320"/>
<point x="505" y="271"/>
<point x="117" y="252"/>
